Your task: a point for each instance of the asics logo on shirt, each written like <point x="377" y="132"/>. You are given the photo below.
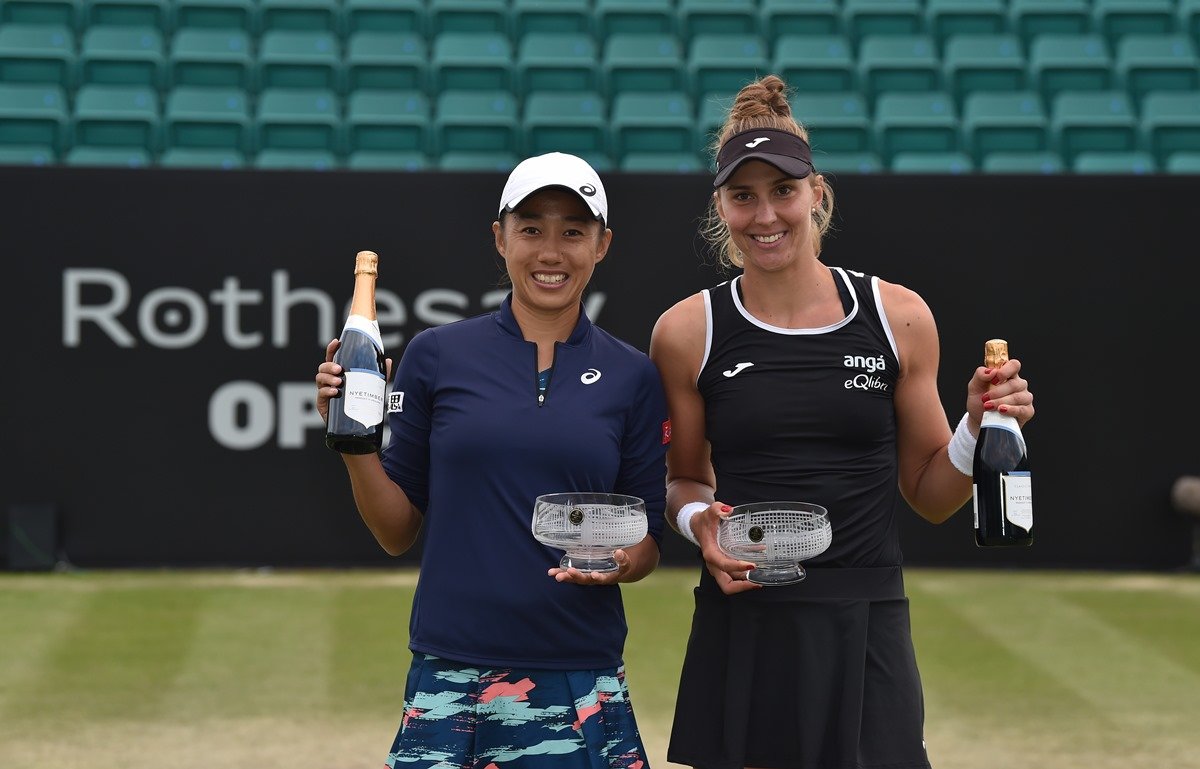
<point x="590" y="376"/>
<point x="739" y="368"/>
<point x="757" y="142"/>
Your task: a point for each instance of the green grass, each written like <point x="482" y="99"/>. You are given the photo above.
<point x="306" y="669"/>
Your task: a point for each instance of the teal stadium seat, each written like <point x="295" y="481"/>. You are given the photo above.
<point x="1114" y="19"/>
<point x="295" y="119"/>
<point x="299" y="59"/>
<point x="721" y="64"/>
<point x="653" y="123"/>
<point x="299" y="16"/>
<point x="127" y="13"/>
<point x="33" y="117"/>
<point x="779" y="18"/>
<point x="566" y="17"/>
<point x="557" y="61"/>
<point x="122" y="56"/>
<point x="37" y="54"/>
<point x="23" y="155"/>
<point x="642" y="62"/>
<point x="974" y="63"/>
<point x="566" y="122"/>
<point x="838" y="123"/>
<point x="476" y="16"/>
<point x="476" y="121"/>
<point x="662" y="162"/>
<point x="932" y="163"/>
<point x="237" y="15"/>
<point x="496" y="162"/>
<point x="187" y="157"/>
<point x="915" y="122"/>
<point x="945" y="19"/>
<point x="1135" y="163"/>
<point x="1148" y="63"/>
<point x="369" y="160"/>
<point x="1045" y="163"/>
<point x="1170" y="124"/>
<point x="124" y="157"/>
<point x="471" y="61"/>
<point x="384" y="16"/>
<point x="113" y="116"/>
<point x="717" y="17"/>
<point x="1029" y="19"/>
<point x="54" y="13"/>
<point x="211" y="119"/>
<point x="1183" y="163"/>
<point x="387" y="59"/>
<point x="835" y="164"/>
<point x="392" y="122"/>
<point x="217" y="58"/>
<point x="641" y="17"/>
<point x="863" y="18"/>
<point x="1070" y="63"/>
<point x="713" y="113"/>
<point x="810" y="63"/>
<point x="1093" y="121"/>
<point x="295" y="160"/>
<point x="1007" y="122"/>
<point x="1189" y="19"/>
<point x="898" y="63"/>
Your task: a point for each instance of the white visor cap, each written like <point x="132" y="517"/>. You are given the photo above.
<point x="555" y="169"/>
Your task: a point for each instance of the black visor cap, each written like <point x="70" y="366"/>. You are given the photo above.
<point x="786" y="151"/>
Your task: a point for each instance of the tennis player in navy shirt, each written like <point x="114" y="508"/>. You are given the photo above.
<point x="516" y="662"/>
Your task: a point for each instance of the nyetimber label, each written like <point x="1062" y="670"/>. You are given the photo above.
<point x="1018" y="499"/>
<point x="364" y="392"/>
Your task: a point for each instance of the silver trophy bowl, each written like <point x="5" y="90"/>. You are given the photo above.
<point x="776" y="537"/>
<point x="589" y="526"/>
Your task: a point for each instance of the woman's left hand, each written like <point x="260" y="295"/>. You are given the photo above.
<point x="1002" y="390"/>
<point x="594" y="577"/>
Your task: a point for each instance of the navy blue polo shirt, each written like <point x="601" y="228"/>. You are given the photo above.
<point x="473" y="445"/>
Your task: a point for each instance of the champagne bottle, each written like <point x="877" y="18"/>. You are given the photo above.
<point x="356" y="417"/>
<point x="1002" y="485"/>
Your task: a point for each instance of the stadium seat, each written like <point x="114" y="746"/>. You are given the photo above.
<point x="297" y="119"/>
<point x="125" y="157"/>
<point x="54" y="13"/>
<point x="387" y="122"/>
<point x="652" y="122"/>
<point x="837" y="163"/>
<point x="499" y="162"/>
<point x="642" y="17"/>
<point x="662" y="162"/>
<point x="838" y="123"/>
<point x="476" y="121"/>
<point x="237" y="15"/>
<point x="189" y="157"/>
<point x="208" y="119"/>
<point x="945" y="19"/>
<point x="863" y="18"/>
<point x="384" y="16"/>
<point x="1032" y="18"/>
<point x="557" y="61"/>
<point x="37" y="54"/>
<point x="565" y="122"/>
<point x="25" y="155"/>
<point x="1147" y="63"/>
<point x="713" y="113"/>
<point x="299" y="59"/>
<point x="299" y="16"/>
<point x="932" y="163"/>
<point x="387" y="59"/>
<point x="295" y="160"/>
<point x="642" y="62"/>
<point x="218" y="58"/>
<point x="1170" y="124"/>
<point x="567" y="17"/>
<point x="1189" y="19"/>
<point x="33" y="116"/>
<point x="1116" y="18"/>
<point x="983" y="63"/>
<point x="1070" y="63"/>
<point x="898" y="63"/>
<point x="717" y="17"/>
<point x="122" y="56"/>
<point x="1135" y="162"/>
<point x="127" y="13"/>
<point x="1102" y="121"/>
<point x="722" y="64"/>
<point x="810" y="63"/>
<point x="799" y="17"/>
<point x="1004" y="122"/>
<point x="1183" y="163"/>
<point x="915" y="122"/>
<point x="116" y="116"/>
<point x="369" y="160"/>
<point x="476" y="16"/>
<point x="471" y="61"/>
<point x="1023" y="163"/>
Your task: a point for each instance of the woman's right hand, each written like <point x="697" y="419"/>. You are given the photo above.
<point x="730" y="573"/>
<point x="329" y="381"/>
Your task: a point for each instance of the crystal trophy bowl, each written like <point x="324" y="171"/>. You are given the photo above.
<point x="776" y="537"/>
<point x="589" y="526"/>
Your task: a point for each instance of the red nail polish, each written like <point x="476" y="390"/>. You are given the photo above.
<point x="984" y="398"/>
<point x="1004" y="409"/>
<point x="987" y="372"/>
<point x="726" y="508"/>
<point x="989" y="406"/>
<point x="996" y="380"/>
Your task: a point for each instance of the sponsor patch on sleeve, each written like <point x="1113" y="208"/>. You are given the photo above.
<point x="666" y="432"/>
<point x="395" y="402"/>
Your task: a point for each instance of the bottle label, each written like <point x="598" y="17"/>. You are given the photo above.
<point x="366" y="326"/>
<point x="1018" y="499"/>
<point x="363" y="393"/>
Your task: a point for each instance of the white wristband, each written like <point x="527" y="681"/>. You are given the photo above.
<point x="962" y="448"/>
<point x="683" y="520"/>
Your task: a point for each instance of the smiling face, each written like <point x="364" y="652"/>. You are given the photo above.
<point x="770" y="214"/>
<point x="551" y="244"/>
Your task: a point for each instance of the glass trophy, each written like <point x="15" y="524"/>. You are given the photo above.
<point x="776" y="537"/>
<point x="589" y="526"/>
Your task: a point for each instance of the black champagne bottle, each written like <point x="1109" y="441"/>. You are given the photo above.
<point x="1003" y="491"/>
<point x="356" y="416"/>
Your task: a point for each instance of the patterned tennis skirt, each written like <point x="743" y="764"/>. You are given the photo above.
<point x="460" y="716"/>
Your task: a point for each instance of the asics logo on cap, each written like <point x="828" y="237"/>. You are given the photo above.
<point x="757" y="142"/>
<point x="588" y="190"/>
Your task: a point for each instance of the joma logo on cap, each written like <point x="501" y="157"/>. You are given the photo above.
<point x="757" y="142"/>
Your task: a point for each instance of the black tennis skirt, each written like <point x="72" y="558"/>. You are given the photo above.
<point x="818" y="675"/>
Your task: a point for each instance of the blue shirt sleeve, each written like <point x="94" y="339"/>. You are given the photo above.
<point x="643" y="471"/>
<point x="410" y="413"/>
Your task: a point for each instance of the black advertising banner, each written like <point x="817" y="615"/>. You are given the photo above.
<point x="165" y="327"/>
